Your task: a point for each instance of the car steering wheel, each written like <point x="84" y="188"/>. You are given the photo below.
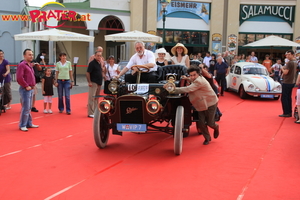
<point x="141" y="67"/>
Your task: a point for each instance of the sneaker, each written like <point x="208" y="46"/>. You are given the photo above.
<point x="8" y="108"/>
<point x="91" y="116"/>
<point x="68" y="113"/>
<point x="60" y="111"/>
<point x="50" y="111"/>
<point x="33" y="126"/>
<point x="45" y="111"/>
<point x="23" y="129"/>
<point x="33" y="109"/>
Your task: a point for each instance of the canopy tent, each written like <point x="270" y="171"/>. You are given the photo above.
<point x="272" y="41"/>
<point x="133" y="36"/>
<point x="54" y="35"/>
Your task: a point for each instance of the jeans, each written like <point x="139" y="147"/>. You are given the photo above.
<point x="26" y="101"/>
<point x="286" y="98"/>
<point x="63" y="89"/>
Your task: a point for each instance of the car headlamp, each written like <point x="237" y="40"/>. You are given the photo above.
<point x="153" y="106"/>
<point x="170" y="87"/>
<point x="113" y="87"/>
<point x="251" y="87"/>
<point x="277" y="89"/>
<point x="104" y="106"/>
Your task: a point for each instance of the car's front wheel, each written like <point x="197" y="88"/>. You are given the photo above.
<point x="100" y="129"/>
<point x="178" y="135"/>
<point x="242" y="93"/>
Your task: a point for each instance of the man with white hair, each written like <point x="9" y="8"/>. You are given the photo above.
<point x="221" y="71"/>
<point x="141" y="57"/>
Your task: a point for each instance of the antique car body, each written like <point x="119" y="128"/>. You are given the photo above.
<point x="145" y="107"/>
<point x="252" y="79"/>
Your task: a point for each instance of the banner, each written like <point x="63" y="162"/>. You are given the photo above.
<point x="232" y="41"/>
<point x="216" y="43"/>
<point x="199" y="9"/>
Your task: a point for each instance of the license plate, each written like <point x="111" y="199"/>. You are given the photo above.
<point x="132" y="127"/>
<point x="267" y="96"/>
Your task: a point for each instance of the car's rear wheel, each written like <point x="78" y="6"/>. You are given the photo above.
<point x="178" y="135"/>
<point x="101" y="129"/>
<point x="242" y="93"/>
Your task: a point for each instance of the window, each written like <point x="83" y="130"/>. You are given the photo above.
<point x="250" y="38"/>
<point x="242" y="39"/>
<point x="177" y="36"/>
<point x="237" y="70"/>
<point x="232" y="69"/>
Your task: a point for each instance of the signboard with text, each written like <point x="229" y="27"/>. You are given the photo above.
<point x="200" y="9"/>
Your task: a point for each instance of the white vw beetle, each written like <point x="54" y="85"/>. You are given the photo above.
<point x="253" y="79"/>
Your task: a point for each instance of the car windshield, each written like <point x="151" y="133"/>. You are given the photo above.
<point x="254" y="70"/>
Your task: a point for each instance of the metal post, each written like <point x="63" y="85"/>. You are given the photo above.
<point x="164" y="31"/>
<point x="75" y="74"/>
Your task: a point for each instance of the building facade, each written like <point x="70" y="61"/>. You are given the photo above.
<point x="8" y="28"/>
<point x="201" y="25"/>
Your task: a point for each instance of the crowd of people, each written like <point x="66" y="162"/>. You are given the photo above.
<point x="100" y="70"/>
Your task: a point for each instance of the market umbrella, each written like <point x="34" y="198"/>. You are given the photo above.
<point x="272" y="41"/>
<point x="133" y="36"/>
<point x="54" y="35"/>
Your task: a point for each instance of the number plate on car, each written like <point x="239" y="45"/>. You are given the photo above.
<point x="132" y="127"/>
<point x="267" y="96"/>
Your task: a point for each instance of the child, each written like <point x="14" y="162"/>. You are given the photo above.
<point x="267" y="63"/>
<point x="47" y="88"/>
<point x="276" y="68"/>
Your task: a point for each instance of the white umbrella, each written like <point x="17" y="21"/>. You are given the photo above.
<point x="133" y="36"/>
<point x="54" y="35"/>
<point x="272" y="41"/>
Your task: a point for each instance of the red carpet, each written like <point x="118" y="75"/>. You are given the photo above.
<point x="255" y="157"/>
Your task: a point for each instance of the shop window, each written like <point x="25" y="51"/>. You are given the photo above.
<point x="186" y="37"/>
<point x="289" y="37"/>
<point x="259" y="36"/>
<point x="195" y="38"/>
<point x="242" y="39"/>
<point x="204" y="38"/>
<point x="177" y="36"/>
<point x="169" y="36"/>
<point x="250" y="38"/>
<point x="159" y="33"/>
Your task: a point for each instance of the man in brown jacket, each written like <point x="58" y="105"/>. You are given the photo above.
<point x="204" y="100"/>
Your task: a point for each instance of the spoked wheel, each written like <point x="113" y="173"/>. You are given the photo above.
<point x="100" y="128"/>
<point x="178" y="135"/>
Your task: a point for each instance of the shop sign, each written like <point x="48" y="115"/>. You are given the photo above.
<point x="216" y="43"/>
<point x="200" y="9"/>
<point x="63" y="15"/>
<point x="232" y="42"/>
<point x="286" y="13"/>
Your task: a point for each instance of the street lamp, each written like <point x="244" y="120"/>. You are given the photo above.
<point x="164" y="4"/>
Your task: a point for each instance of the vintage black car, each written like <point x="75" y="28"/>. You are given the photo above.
<point x="145" y="106"/>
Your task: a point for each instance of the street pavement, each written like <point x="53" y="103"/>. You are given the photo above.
<point x="81" y="87"/>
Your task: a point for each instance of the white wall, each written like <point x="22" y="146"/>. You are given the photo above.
<point x="111" y="4"/>
<point x="184" y="24"/>
<point x="265" y="27"/>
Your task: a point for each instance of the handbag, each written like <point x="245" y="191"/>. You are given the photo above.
<point x="106" y="83"/>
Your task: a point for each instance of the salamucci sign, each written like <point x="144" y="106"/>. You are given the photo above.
<point x="286" y="13"/>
